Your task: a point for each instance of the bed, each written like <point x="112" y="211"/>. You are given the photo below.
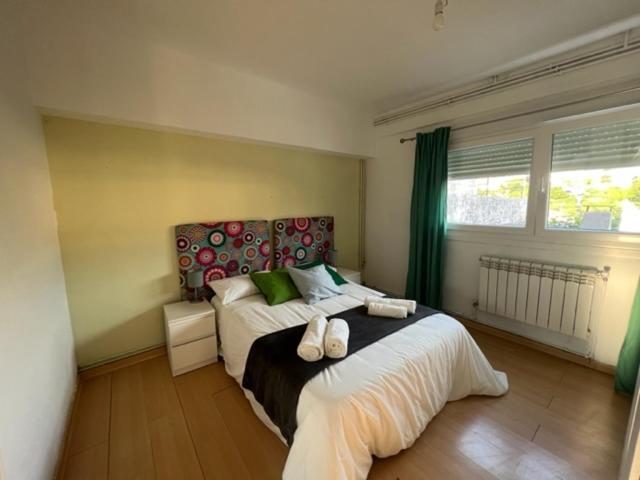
<point x="376" y="401"/>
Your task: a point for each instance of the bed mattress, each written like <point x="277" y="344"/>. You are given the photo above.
<point x="376" y="401"/>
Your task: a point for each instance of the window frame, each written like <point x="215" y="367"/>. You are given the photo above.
<point x="536" y="228"/>
<point x="548" y="129"/>
<point x="492" y="140"/>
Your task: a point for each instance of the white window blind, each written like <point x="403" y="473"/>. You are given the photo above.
<point x="502" y="159"/>
<point x="615" y="145"/>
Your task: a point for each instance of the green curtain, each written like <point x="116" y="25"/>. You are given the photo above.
<point x="629" y="359"/>
<point x="428" y="218"/>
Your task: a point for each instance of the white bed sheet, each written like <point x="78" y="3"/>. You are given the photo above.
<point x="376" y="401"/>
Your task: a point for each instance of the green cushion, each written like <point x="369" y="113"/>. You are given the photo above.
<point x="335" y="275"/>
<point x="276" y="286"/>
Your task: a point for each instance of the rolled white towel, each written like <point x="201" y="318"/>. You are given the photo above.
<point x="372" y="299"/>
<point x="387" y="310"/>
<point x="336" y="338"/>
<point x="410" y="305"/>
<point x="311" y="347"/>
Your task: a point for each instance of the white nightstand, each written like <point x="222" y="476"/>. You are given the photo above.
<point x="352" y="275"/>
<point x="190" y="329"/>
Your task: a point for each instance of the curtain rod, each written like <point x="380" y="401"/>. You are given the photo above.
<point x="531" y="112"/>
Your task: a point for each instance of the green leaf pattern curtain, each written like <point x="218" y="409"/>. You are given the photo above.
<point x="428" y="218"/>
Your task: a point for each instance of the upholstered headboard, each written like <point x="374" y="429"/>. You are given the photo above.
<point x="221" y="249"/>
<point x="302" y="240"/>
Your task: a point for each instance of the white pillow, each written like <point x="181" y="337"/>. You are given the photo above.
<point x="233" y="288"/>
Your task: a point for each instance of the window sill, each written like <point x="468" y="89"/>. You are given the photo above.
<point x="520" y="231"/>
<point x="595" y="238"/>
<point x="623" y="243"/>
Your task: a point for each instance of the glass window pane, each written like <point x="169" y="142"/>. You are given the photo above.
<point x="489" y="201"/>
<point x="595" y="179"/>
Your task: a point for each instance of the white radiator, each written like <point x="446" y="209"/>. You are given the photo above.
<point x="550" y="303"/>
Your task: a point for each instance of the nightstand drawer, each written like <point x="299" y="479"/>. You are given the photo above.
<point x="190" y="329"/>
<point x="194" y="355"/>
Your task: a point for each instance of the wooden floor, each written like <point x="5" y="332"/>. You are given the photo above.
<point x="559" y="420"/>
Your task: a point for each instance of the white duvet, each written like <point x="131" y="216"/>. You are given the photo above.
<point x="376" y="401"/>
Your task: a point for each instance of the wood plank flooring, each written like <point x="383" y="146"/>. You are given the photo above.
<point x="559" y="420"/>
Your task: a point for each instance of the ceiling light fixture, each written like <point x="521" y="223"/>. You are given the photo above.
<point x="438" y="17"/>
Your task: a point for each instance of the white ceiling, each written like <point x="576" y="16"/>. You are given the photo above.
<point x="379" y="53"/>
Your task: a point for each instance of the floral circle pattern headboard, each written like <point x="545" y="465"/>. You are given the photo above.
<point x="302" y="240"/>
<point x="220" y="250"/>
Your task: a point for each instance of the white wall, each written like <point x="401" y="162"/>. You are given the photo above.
<point x="83" y="69"/>
<point x="389" y="184"/>
<point x="37" y="367"/>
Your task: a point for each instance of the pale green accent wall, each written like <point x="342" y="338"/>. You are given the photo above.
<point x="119" y="191"/>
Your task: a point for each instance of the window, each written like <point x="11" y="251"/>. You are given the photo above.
<point x="595" y="179"/>
<point x="586" y="173"/>
<point x="489" y="185"/>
